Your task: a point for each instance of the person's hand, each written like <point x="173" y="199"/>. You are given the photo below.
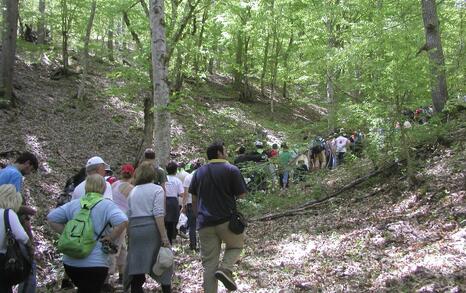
<point x="165" y="242"/>
<point x="106" y="238"/>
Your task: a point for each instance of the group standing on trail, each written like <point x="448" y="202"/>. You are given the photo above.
<point x="125" y="225"/>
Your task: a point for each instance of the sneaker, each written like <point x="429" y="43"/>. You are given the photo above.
<point x="226" y="277"/>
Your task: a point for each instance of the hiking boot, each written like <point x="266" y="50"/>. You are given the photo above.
<point x="226" y="277"/>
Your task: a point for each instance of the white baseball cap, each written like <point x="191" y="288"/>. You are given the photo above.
<point x="164" y="261"/>
<point x="95" y="161"/>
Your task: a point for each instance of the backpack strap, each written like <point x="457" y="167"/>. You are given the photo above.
<point x="6" y="221"/>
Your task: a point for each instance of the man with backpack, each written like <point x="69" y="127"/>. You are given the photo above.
<point x="317" y="153"/>
<point x="341" y="143"/>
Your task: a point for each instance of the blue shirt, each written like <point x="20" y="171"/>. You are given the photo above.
<point x="104" y="212"/>
<point x="11" y="175"/>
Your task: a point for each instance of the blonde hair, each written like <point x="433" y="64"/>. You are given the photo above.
<point x="145" y="173"/>
<point x="9" y="198"/>
<point x="95" y="183"/>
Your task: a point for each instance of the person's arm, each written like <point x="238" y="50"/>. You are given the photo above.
<point x="57" y="218"/>
<point x="57" y="227"/>
<point x="116" y="232"/>
<point x="160" y="222"/>
<point x="194" y="204"/>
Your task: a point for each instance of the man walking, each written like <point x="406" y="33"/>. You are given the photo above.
<point x="214" y="188"/>
<point x="24" y="165"/>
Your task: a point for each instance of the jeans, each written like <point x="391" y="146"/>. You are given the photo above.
<point x="341" y="158"/>
<point x="284" y="177"/>
<point x="211" y="242"/>
<point x="30" y="284"/>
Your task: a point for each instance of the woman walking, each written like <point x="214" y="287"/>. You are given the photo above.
<point x="146" y="231"/>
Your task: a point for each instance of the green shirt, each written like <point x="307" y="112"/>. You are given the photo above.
<point x="284" y="158"/>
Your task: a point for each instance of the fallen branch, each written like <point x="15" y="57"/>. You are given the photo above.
<point x="312" y="203"/>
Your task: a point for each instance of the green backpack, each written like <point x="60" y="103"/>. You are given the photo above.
<point x="77" y="239"/>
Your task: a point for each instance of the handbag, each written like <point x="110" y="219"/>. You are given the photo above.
<point x="15" y="262"/>
<point x="237" y="220"/>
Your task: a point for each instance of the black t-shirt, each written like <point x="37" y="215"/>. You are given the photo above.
<point x="216" y="186"/>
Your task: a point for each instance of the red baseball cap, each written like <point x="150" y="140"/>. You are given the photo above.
<point x="127" y="168"/>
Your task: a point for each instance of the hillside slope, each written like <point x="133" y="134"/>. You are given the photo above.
<point x="378" y="237"/>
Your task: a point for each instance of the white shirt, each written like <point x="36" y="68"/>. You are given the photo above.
<point x="80" y="191"/>
<point x="182" y="175"/>
<point x="16" y="228"/>
<point x="340" y="144"/>
<point x="186" y="183"/>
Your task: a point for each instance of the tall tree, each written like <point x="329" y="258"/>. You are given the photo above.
<point x="85" y="53"/>
<point x="41" y="27"/>
<point x="7" y="59"/>
<point x="160" y="82"/>
<point x="433" y="46"/>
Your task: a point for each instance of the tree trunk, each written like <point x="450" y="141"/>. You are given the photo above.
<point x="237" y="73"/>
<point x="434" y="48"/>
<point x="160" y="84"/>
<point x="41" y="27"/>
<point x="285" y="65"/>
<point x="131" y="30"/>
<point x="277" y="48"/>
<point x="110" y="40"/>
<point x="65" y="23"/>
<point x="200" y="40"/>
<point x="178" y="71"/>
<point x="264" y="64"/>
<point x="85" y="55"/>
<point x="8" y="53"/>
<point x="330" y="76"/>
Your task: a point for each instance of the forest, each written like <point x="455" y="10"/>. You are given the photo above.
<point x="84" y="78"/>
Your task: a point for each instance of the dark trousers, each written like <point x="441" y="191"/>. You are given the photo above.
<point x="192" y="226"/>
<point x="137" y="282"/>
<point x="341" y="158"/>
<point x="88" y="280"/>
<point x="171" y="230"/>
<point x="5" y="286"/>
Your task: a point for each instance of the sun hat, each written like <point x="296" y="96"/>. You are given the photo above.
<point x="164" y="261"/>
<point x="96" y="161"/>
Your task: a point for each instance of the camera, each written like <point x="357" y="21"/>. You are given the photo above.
<point x="109" y="247"/>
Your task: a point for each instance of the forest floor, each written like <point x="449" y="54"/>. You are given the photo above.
<point x="377" y="237"/>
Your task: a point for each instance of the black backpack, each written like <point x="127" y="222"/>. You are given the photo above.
<point x="15" y="263"/>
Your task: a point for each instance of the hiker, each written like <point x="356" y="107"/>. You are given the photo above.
<point x="174" y="190"/>
<point x="109" y="175"/>
<point x="317" y="153"/>
<point x="146" y="231"/>
<point x="240" y="155"/>
<point x="160" y="174"/>
<point x="258" y="176"/>
<point x="121" y="190"/>
<point x="215" y="188"/>
<point x="11" y="199"/>
<point x="25" y="164"/>
<point x="341" y="143"/>
<point x="357" y="139"/>
<point x="301" y="171"/>
<point x="94" y="165"/>
<point x="90" y="272"/>
<point x="330" y="153"/>
<point x="189" y="209"/>
<point x="181" y="172"/>
<point x="284" y="159"/>
<point x="65" y="197"/>
<point x="273" y="153"/>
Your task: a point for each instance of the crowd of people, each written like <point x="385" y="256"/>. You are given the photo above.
<point x="131" y="218"/>
<point x="289" y="164"/>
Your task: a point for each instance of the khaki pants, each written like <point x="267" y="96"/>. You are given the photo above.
<point x="211" y="240"/>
